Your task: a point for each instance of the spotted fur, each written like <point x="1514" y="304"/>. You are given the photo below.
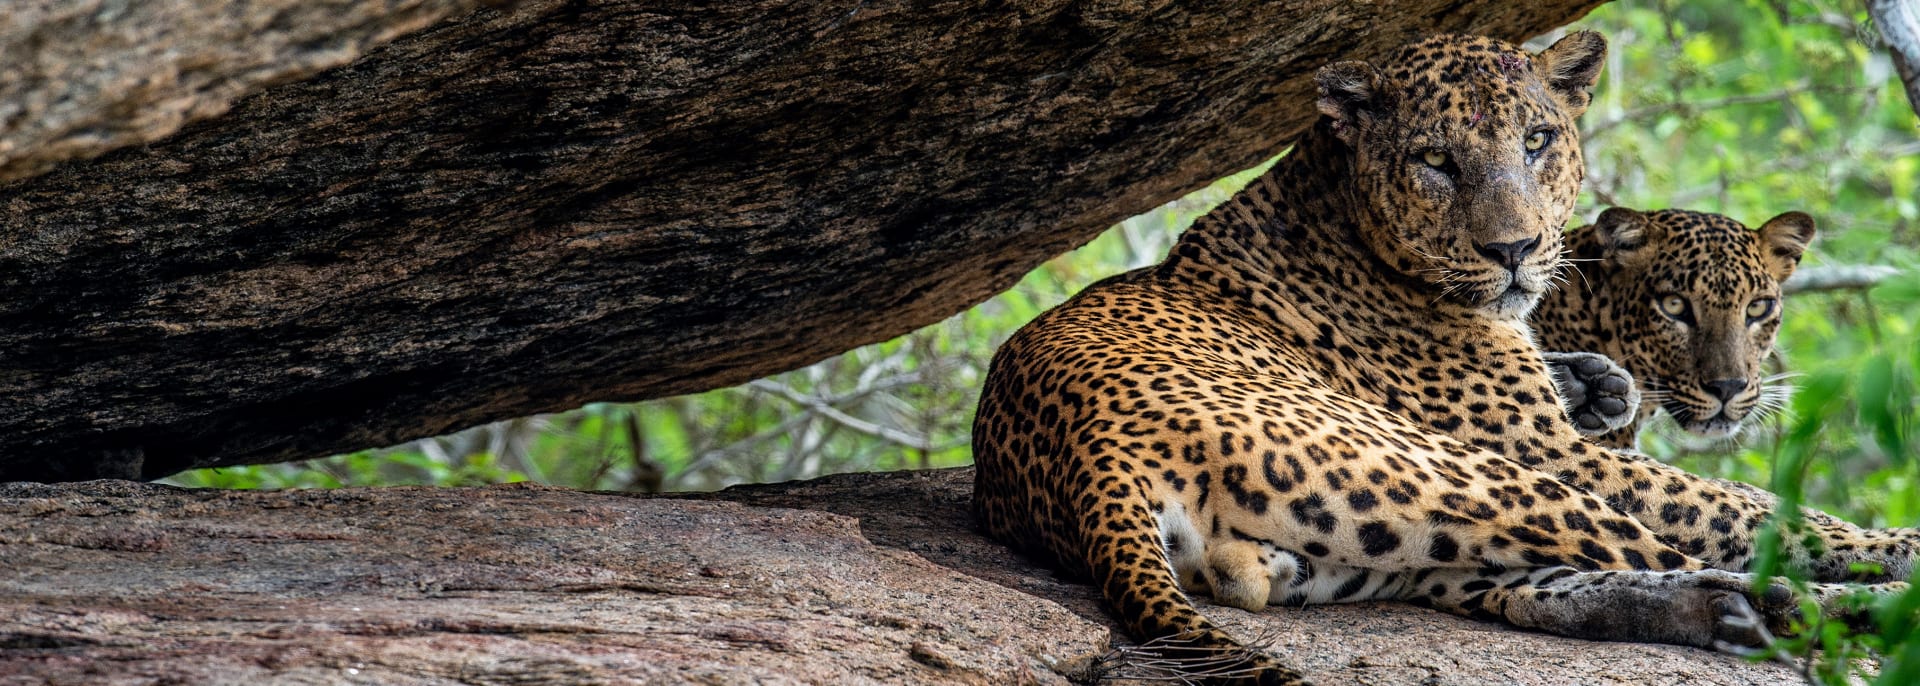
<point x="1702" y="362"/>
<point x="1327" y="392"/>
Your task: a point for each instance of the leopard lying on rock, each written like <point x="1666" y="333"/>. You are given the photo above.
<point x="1328" y="392"/>
<point x="1687" y="302"/>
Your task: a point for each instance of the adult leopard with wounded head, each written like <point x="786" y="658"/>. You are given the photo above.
<point x="1328" y="392"/>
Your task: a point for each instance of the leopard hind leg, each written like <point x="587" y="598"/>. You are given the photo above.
<point x="1239" y="572"/>
<point x="1126" y="553"/>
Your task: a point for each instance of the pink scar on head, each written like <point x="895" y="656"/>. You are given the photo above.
<point x="1512" y="63"/>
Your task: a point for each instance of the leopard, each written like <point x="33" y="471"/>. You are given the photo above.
<point x="1688" y="303"/>
<point x="1328" y="392"/>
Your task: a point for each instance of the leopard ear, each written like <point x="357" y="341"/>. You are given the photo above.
<point x="1783" y="240"/>
<point x="1348" y="95"/>
<point x="1625" y="235"/>
<point x="1572" y="67"/>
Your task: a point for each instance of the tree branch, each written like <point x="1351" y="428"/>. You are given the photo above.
<point x="822" y="408"/>
<point x="1838" y="277"/>
<point x="1640" y="114"/>
<point x="1899" y="24"/>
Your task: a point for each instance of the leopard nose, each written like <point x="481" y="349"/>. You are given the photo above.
<point x="1509" y="255"/>
<point x="1725" y="389"/>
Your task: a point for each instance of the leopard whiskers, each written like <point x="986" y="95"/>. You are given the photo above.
<point x="1566" y="265"/>
<point x="1557" y="280"/>
<point x="1448" y="274"/>
<point x="1451" y="281"/>
<point x="1430" y="257"/>
<point x="1653" y="390"/>
<point x="1654" y="396"/>
<point x="1773" y="400"/>
<point x="1456" y="287"/>
<point x="1180" y="658"/>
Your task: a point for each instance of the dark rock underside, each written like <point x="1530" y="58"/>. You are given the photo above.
<point x="521" y="210"/>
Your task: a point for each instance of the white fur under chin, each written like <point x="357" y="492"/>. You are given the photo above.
<point x="1513" y="305"/>
<point x="1718" y="427"/>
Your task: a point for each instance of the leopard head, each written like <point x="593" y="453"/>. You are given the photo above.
<point x="1693" y="302"/>
<point x="1466" y="154"/>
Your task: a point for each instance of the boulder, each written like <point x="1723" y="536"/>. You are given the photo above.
<point x="81" y="77"/>
<point x="865" y="578"/>
<point x="531" y="206"/>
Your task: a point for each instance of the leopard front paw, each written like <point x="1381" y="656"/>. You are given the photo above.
<point x="1702" y="608"/>
<point x="1599" y="395"/>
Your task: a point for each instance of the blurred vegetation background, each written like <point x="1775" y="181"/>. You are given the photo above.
<point x="1743" y="107"/>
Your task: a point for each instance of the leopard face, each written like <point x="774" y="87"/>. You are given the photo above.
<point x="1692" y="303"/>
<point x="1466" y="155"/>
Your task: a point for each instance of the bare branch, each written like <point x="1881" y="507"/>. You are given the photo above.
<point x="842" y="418"/>
<point x="648" y="475"/>
<point x="1696" y="106"/>
<point x="1839" y="277"/>
<point x="1899" y="24"/>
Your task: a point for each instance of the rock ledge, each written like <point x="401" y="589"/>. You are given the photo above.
<point x="863" y="578"/>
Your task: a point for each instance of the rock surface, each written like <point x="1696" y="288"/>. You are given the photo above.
<point x="872" y="578"/>
<point x="81" y="77"/>
<point x="553" y="202"/>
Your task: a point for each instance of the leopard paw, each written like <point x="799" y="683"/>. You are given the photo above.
<point x="1742" y="619"/>
<point x="1599" y="395"/>
<point x="1702" y="608"/>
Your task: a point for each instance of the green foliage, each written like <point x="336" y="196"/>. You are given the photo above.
<point x="1752" y="108"/>
<point x="364" y="468"/>
<point x="1744" y="107"/>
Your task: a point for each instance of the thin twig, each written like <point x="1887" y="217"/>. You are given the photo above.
<point x="828" y="411"/>
<point x="1697" y="106"/>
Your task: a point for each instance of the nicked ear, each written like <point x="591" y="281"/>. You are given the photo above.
<point x="1349" y="91"/>
<point x="1783" y="240"/>
<point x="1625" y="235"/>
<point x="1572" y="66"/>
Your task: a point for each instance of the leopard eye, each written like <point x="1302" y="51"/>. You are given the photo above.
<point x="1673" y="306"/>
<point x="1759" y="309"/>
<point x="1537" y="141"/>
<point x="1434" y="158"/>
